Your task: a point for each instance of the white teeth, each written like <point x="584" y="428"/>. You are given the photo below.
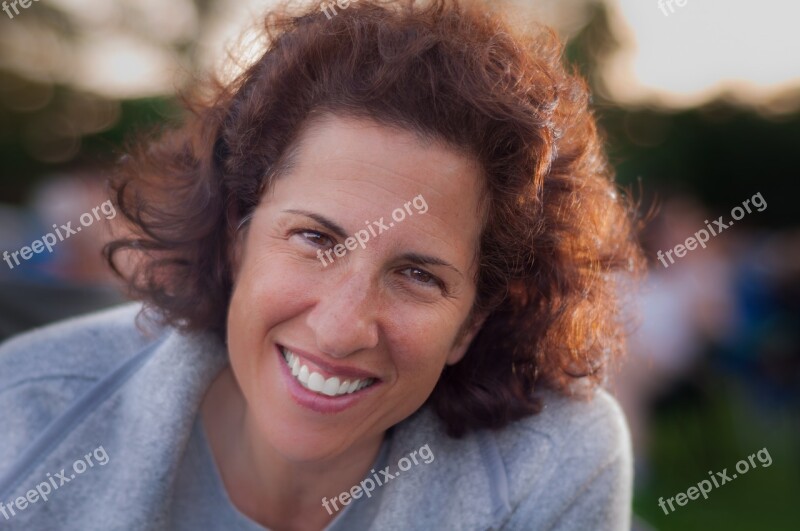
<point x="303" y="376"/>
<point x="313" y="381"/>
<point x="316" y="382"/>
<point x="331" y="387"/>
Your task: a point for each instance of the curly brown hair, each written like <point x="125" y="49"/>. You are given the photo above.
<point x="557" y="236"/>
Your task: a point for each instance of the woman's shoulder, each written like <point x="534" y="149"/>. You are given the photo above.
<point x="592" y="426"/>
<point x="47" y="369"/>
<point x="571" y="462"/>
<point x="575" y="459"/>
<point x="566" y="428"/>
<point x="84" y="347"/>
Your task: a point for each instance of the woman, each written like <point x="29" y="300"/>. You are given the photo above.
<point x="382" y="262"/>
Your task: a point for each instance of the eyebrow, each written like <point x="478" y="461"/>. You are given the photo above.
<point x="322" y="220"/>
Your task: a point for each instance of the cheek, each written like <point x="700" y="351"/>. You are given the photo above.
<point x="424" y="351"/>
<point x="265" y="294"/>
<point x="417" y="376"/>
<point x="269" y="281"/>
<point x="242" y="330"/>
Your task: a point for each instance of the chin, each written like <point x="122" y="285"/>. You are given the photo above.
<point x="298" y="441"/>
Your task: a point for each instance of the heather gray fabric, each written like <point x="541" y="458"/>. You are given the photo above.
<point x="70" y="388"/>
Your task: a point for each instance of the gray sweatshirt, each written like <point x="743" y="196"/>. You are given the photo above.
<point x="100" y="431"/>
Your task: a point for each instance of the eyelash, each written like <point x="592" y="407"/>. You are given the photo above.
<point x="436" y="281"/>
<point x="316" y="233"/>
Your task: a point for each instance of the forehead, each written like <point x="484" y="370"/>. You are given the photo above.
<point x="385" y="162"/>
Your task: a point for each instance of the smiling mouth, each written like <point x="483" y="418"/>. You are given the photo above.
<point x="317" y="383"/>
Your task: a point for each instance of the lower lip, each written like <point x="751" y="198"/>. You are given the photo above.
<point x="316" y="402"/>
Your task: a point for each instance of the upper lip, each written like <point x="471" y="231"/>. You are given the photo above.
<point x="337" y="370"/>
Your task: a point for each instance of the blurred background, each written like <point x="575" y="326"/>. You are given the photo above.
<point x="701" y="106"/>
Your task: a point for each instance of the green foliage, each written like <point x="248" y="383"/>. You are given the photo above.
<point x="711" y="429"/>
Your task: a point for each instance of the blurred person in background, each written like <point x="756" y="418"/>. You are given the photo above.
<point x="679" y="311"/>
<point x="73" y="278"/>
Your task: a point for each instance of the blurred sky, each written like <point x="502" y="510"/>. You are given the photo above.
<point x="128" y="48"/>
<point x="704" y="48"/>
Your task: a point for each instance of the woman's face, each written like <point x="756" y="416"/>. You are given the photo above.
<point x="382" y="310"/>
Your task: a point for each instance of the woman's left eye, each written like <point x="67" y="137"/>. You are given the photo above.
<point x="423" y="277"/>
<point x="316" y="238"/>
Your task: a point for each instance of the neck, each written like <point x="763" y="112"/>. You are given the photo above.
<point x="262" y="483"/>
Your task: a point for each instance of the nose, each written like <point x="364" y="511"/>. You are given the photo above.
<point x="344" y="318"/>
